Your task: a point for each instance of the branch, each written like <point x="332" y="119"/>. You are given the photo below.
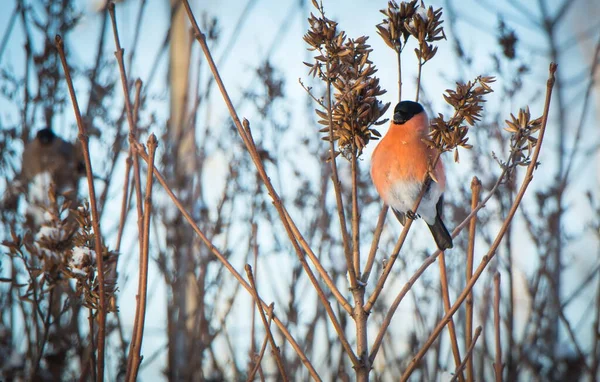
<point x="138" y="329"/>
<point x="492" y="251"/>
<point x="468" y="356"/>
<point x="84" y="139"/>
<point x="274" y="348"/>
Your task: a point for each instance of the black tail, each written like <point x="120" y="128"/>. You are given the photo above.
<point x="442" y="237"/>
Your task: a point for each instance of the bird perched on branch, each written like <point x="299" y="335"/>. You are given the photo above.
<point x="50" y="153"/>
<point x="400" y="166"/>
<point x="46" y="159"/>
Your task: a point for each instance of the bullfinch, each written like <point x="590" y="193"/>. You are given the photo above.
<point x="399" y="167"/>
<point x="50" y="153"/>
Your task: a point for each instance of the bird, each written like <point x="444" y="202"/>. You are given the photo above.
<point x="50" y="153"/>
<point x="49" y="159"/>
<point x="399" y="168"/>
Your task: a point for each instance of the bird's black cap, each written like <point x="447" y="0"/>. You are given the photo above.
<point x="45" y="136"/>
<point x="405" y="110"/>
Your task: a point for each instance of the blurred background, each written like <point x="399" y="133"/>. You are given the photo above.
<point x="200" y="324"/>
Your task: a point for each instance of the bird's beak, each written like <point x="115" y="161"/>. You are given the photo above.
<point x="399" y="118"/>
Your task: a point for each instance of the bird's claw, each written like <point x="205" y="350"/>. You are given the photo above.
<point x="411" y="215"/>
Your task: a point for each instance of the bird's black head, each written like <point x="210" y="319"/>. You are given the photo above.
<point x="45" y="136"/>
<point x="405" y="110"/>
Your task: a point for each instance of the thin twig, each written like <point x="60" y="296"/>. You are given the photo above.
<point x="274" y="348"/>
<point x="263" y="348"/>
<point x="475" y="190"/>
<point x="128" y="163"/>
<point x="492" y="251"/>
<point x="468" y="356"/>
<point x="375" y="243"/>
<point x="84" y="139"/>
<point x="446" y="302"/>
<point x="136" y="344"/>
<point x="498" y="366"/>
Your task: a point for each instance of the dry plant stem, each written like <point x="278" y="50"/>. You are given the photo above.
<point x="596" y="337"/>
<point x="398" y="247"/>
<point x="119" y="52"/>
<point x="262" y="350"/>
<point x="231" y="269"/>
<point x="375" y="243"/>
<point x="44" y="340"/>
<point x="399" y="54"/>
<point x="130" y="116"/>
<point x="352" y="274"/>
<point x="360" y="316"/>
<point x="274" y="348"/>
<point x="475" y="191"/>
<point x="468" y="356"/>
<point x="128" y="162"/>
<point x="446" y="302"/>
<point x="355" y="217"/>
<point x="497" y="322"/>
<point x="83" y="138"/>
<point x="419" y="81"/>
<point x="136" y="344"/>
<point x="492" y="251"/>
<point x="119" y="55"/>
<point x="246" y="136"/>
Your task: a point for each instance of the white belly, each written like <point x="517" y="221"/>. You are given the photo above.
<point x="403" y="195"/>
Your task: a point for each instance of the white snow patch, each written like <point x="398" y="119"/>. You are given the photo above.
<point x="81" y="256"/>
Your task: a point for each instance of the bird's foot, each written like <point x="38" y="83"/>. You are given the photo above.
<point x="411" y="215"/>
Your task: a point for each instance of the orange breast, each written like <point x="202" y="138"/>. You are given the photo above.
<point x="402" y="155"/>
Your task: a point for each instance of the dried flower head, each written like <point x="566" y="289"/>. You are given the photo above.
<point x="467" y="102"/>
<point x="522" y="142"/>
<point x="507" y="39"/>
<point x="344" y="65"/>
<point x="393" y="29"/>
<point x="406" y="20"/>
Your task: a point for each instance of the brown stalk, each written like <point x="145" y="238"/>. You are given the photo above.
<point x="399" y="53"/>
<point x="360" y="315"/>
<point x="132" y="122"/>
<point x="128" y="162"/>
<point x="399" y="244"/>
<point x="475" y="191"/>
<point x="355" y="216"/>
<point x="492" y="251"/>
<point x="419" y="80"/>
<point x="138" y="329"/>
<point x="245" y="134"/>
<point x="468" y="356"/>
<point x="498" y="366"/>
<point x="84" y="139"/>
<point x="446" y="302"/>
<point x="131" y="119"/>
<point x="352" y="274"/>
<point x="222" y="258"/>
<point x="274" y="348"/>
<point x="596" y="337"/>
<point x="375" y="243"/>
<point x="263" y="348"/>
